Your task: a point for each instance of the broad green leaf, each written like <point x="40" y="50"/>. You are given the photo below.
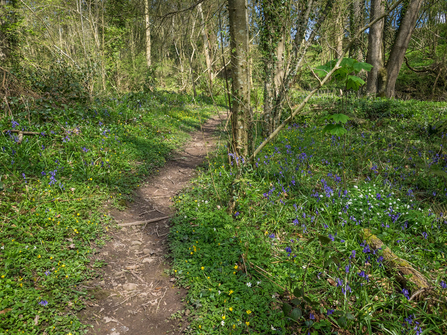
<point x="359" y="66"/>
<point x="338" y="130"/>
<point x="340" y="118"/>
<point x="286" y="308"/>
<point x="298" y="292"/>
<point x="296" y="314"/>
<point x="324" y="239"/>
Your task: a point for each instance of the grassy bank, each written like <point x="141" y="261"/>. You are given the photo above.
<point x="277" y="247"/>
<point x="54" y="184"/>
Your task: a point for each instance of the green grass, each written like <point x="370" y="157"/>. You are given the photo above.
<point x="277" y="247"/>
<point x="54" y="186"/>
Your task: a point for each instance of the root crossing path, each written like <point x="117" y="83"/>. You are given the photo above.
<point x="136" y="294"/>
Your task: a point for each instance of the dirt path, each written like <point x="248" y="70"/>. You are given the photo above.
<point x="135" y="294"/>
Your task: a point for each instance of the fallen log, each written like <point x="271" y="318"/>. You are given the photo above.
<point x="402" y="269"/>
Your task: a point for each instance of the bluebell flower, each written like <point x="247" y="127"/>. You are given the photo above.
<point x="43" y="303"/>
<point x="443" y="285"/>
<point x="406" y="293"/>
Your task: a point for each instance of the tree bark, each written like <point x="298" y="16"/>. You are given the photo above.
<point x="356" y="21"/>
<point x="148" y="33"/>
<point x="375" y="47"/>
<point x="400" y="45"/>
<point x="241" y="111"/>
<point x="206" y="47"/>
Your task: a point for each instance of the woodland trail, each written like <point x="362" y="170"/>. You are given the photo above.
<point x="135" y="294"/>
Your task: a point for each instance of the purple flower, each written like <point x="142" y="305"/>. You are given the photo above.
<point x="347" y="268"/>
<point x="289" y="250"/>
<point x="425" y="235"/>
<point x="406" y="293"/>
<point x="47" y="273"/>
<point x="353" y="254"/>
<point x="330" y="311"/>
<point x="366" y="249"/>
<point x="272" y="235"/>
<point x="43" y="303"/>
<point x="443" y="285"/>
<point x="331" y="237"/>
<point x="14" y="124"/>
<point x="311" y="316"/>
<point x="85" y="149"/>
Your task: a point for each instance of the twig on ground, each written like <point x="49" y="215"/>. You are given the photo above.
<point x="143" y="222"/>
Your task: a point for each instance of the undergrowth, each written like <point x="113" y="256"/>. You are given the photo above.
<point x="53" y="187"/>
<point x="278" y="247"/>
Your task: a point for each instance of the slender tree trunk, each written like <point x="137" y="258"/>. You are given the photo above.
<point x="356" y="22"/>
<point x="206" y="47"/>
<point x="400" y="46"/>
<point x="148" y="33"/>
<point x="375" y="47"/>
<point x="241" y="112"/>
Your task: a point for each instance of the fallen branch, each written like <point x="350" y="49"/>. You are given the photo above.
<point x="21" y="133"/>
<point x="136" y="223"/>
<point x="402" y="269"/>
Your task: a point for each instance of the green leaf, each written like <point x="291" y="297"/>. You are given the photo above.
<point x="1" y="186"/>
<point x="338" y="130"/>
<point x="349" y="316"/>
<point x="359" y="66"/>
<point x="342" y="322"/>
<point x="296" y="314"/>
<point x="286" y="308"/>
<point x="324" y="239"/>
<point x="340" y="118"/>
<point x="298" y="292"/>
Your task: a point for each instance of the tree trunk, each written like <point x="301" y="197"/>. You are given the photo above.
<point x="356" y="22"/>
<point x="375" y="47"/>
<point x="148" y="33"/>
<point x="400" y="45"/>
<point x="241" y="111"/>
<point x="206" y="47"/>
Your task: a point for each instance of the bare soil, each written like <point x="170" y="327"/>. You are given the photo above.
<point x="135" y="294"/>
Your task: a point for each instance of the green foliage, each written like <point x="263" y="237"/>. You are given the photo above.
<point x="53" y="188"/>
<point x="279" y="244"/>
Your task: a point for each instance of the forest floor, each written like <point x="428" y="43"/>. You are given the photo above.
<point x="135" y="293"/>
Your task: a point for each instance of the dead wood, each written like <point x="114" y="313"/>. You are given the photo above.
<point x="402" y="269"/>
<point x="143" y="222"/>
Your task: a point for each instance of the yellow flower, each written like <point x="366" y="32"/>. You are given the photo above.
<point x="223" y="317"/>
<point x="202" y="268"/>
<point x="200" y="327"/>
<point x="235" y="267"/>
<point x="231" y="291"/>
<point x="234" y="326"/>
<point x="247" y="323"/>
<point x="248" y="312"/>
<point x="231" y="309"/>
<point x="38" y="256"/>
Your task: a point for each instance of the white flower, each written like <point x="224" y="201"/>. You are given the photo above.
<point x="214" y="229"/>
<point x="35" y="247"/>
<point x="3" y="247"/>
<point x="185" y="216"/>
<point x="273" y="328"/>
<point x="273" y="296"/>
<point x="258" y="282"/>
<point x="355" y="186"/>
<point x="249" y="284"/>
<point x="321" y="195"/>
<point x="222" y="323"/>
<point x="219" y="292"/>
<point x="25" y="247"/>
